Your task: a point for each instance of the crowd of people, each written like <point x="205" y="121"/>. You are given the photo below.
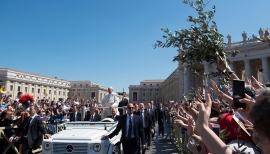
<point x="221" y="125"/>
<point x="212" y="125"/>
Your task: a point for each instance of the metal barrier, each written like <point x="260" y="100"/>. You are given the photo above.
<point x="10" y="144"/>
<point x="180" y="139"/>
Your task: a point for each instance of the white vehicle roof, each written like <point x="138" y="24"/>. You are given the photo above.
<point x="84" y="130"/>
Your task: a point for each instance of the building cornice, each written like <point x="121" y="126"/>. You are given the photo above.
<point x="14" y="75"/>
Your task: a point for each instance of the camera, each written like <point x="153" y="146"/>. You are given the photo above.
<point x="260" y="70"/>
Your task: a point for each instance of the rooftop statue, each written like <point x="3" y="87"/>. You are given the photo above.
<point x="229" y="39"/>
<point x="266" y="34"/>
<point x="261" y="33"/>
<point x="244" y="35"/>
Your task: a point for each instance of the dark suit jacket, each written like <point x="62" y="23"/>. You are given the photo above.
<point x="147" y="118"/>
<point x="78" y="118"/>
<point x="161" y="114"/>
<point x="97" y="117"/>
<point x="34" y="132"/>
<point x="117" y="117"/>
<point x="155" y="113"/>
<point x="123" y="102"/>
<point x="137" y="126"/>
<point x="152" y="116"/>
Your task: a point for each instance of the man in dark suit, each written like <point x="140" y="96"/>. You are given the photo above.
<point x="147" y="123"/>
<point x="161" y="118"/>
<point x="155" y="114"/>
<point x="132" y="131"/>
<point x="152" y="116"/>
<point x="75" y="115"/>
<point x="32" y="130"/>
<point x="123" y="102"/>
<point x="114" y="116"/>
<point x="92" y="116"/>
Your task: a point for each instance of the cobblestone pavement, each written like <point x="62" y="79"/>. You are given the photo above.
<point x="161" y="145"/>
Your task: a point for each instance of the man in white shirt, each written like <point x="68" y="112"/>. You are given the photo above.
<point x="110" y="100"/>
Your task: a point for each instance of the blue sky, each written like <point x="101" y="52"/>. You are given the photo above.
<point x="105" y="41"/>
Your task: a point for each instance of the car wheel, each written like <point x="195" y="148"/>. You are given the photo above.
<point x="116" y="149"/>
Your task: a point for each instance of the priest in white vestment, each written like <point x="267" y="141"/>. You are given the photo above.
<point x="110" y="100"/>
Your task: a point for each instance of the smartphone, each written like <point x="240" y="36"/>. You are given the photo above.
<point x="238" y="93"/>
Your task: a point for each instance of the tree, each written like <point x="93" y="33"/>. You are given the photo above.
<point x="200" y="43"/>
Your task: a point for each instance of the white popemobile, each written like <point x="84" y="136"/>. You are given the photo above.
<point x="84" y="138"/>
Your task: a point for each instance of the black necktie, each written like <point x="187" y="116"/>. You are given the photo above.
<point x="91" y="118"/>
<point x="74" y="117"/>
<point x="27" y="127"/>
<point x="129" y="129"/>
<point x="142" y="118"/>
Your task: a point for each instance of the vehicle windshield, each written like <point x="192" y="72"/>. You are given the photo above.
<point x="89" y="124"/>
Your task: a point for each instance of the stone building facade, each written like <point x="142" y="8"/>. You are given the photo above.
<point x="145" y="92"/>
<point x="87" y="90"/>
<point x="37" y="85"/>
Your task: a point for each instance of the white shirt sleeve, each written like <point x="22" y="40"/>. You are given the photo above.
<point x="104" y="100"/>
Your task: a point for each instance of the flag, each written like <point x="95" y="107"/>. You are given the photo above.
<point x="2" y="89"/>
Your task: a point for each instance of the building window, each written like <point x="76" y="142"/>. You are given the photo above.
<point x="134" y="96"/>
<point x="84" y="94"/>
<point x="25" y="89"/>
<point x="49" y="92"/>
<point x="150" y="94"/>
<point x="79" y="94"/>
<point x="59" y="93"/>
<point x="93" y="94"/>
<point x="54" y="92"/>
<point x="157" y="94"/>
<point x="38" y="91"/>
<point x="64" y="93"/>
<point x="74" y="85"/>
<point x="33" y="90"/>
<point x="44" y="91"/>
<point x="143" y="94"/>
<point x="11" y="88"/>
<point x="80" y="85"/>
<point x="100" y="96"/>
<point x="86" y="85"/>
<point x="19" y="88"/>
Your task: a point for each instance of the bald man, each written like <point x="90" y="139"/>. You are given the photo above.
<point x="110" y="100"/>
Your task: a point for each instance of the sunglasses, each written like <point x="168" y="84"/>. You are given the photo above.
<point x="130" y="107"/>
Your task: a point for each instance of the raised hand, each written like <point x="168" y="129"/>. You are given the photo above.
<point x="256" y="84"/>
<point x="204" y="113"/>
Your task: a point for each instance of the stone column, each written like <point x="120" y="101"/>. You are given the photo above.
<point x="186" y="79"/>
<point x="216" y="79"/>
<point x="231" y="66"/>
<point x="6" y="88"/>
<point x="247" y="68"/>
<point x="265" y="69"/>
